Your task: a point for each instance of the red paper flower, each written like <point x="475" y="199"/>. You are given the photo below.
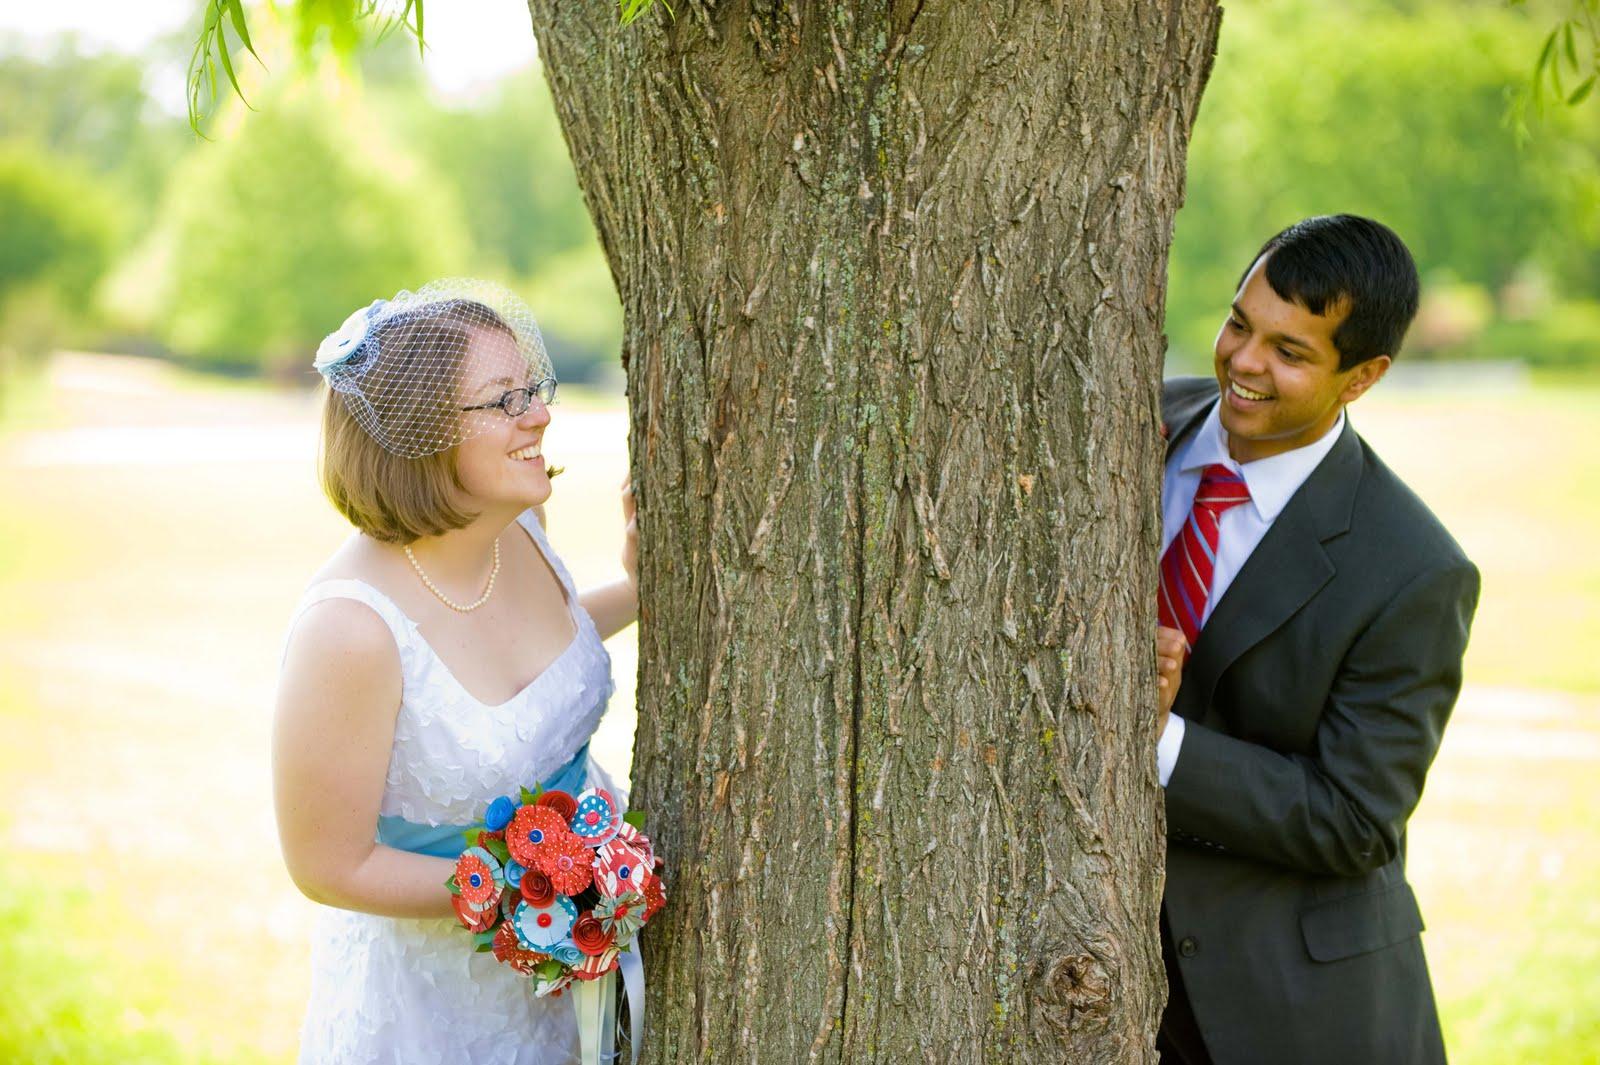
<point x="589" y="936"/>
<point x="479" y="878"/>
<point x="474" y="920"/>
<point x="561" y="802"/>
<point x="655" y="897"/>
<point x="619" y="867"/>
<point x="509" y="950"/>
<point x="532" y="830"/>
<point x="537" y="889"/>
<point x="566" y="860"/>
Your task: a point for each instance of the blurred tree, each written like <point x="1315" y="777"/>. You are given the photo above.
<point x="58" y="224"/>
<point x="1392" y="111"/>
<point x="288" y="223"/>
<point x="520" y="196"/>
<point x="95" y="110"/>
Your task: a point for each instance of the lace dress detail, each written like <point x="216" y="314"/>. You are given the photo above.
<point x="411" y="992"/>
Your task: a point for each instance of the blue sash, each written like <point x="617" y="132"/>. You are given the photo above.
<point x="448" y="841"/>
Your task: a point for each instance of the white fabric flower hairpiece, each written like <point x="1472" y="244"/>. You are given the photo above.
<point x="339" y="345"/>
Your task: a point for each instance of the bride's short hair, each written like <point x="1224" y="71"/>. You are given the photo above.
<point x="391" y="498"/>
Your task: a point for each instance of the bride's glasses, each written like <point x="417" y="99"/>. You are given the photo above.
<point x="515" y="403"/>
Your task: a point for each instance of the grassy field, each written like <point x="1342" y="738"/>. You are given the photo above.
<point x="157" y="532"/>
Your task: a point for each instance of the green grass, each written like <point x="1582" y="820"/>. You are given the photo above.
<point x="144" y="606"/>
<point x="69" y="1002"/>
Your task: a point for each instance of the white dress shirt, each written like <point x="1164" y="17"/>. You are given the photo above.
<point x="1272" y="482"/>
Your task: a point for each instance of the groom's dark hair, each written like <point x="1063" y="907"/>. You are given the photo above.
<point x="1343" y="260"/>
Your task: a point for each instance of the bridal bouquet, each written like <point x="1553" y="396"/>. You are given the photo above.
<point x="557" y="887"/>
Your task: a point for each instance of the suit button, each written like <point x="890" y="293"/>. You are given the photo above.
<point x="1188" y="947"/>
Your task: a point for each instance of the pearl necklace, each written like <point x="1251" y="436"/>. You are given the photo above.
<point x="494" y="571"/>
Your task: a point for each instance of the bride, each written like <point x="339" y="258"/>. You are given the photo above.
<point x="440" y="658"/>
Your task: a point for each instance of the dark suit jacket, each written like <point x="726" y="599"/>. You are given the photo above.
<point x="1314" y="701"/>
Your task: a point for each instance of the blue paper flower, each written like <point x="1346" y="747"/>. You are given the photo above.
<point x="514" y="870"/>
<point x="596" y="819"/>
<point x="544" y="927"/>
<point x="500" y="814"/>
<point x="566" y="953"/>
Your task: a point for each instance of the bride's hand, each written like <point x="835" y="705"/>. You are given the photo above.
<point x="630" y="534"/>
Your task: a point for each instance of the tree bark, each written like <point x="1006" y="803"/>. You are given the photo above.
<point x="893" y="276"/>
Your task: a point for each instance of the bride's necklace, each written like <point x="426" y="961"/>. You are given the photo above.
<point x="494" y="571"/>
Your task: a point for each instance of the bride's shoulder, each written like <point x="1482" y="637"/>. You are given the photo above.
<point x="345" y="613"/>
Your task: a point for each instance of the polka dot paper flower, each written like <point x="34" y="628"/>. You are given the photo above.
<point x="480" y="878"/>
<point x="655" y="897"/>
<point x="567" y="862"/>
<point x="543" y="927"/>
<point x="532" y="829"/>
<point x="596" y="818"/>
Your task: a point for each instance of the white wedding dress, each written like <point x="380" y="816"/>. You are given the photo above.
<point x="412" y="992"/>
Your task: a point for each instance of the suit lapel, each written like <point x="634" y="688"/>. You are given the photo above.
<point x="1184" y="418"/>
<point x="1287" y="568"/>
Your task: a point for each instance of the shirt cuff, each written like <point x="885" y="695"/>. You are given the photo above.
<point x="1167" y="748"/>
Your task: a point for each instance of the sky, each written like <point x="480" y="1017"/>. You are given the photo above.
<point x="471" y="43"/>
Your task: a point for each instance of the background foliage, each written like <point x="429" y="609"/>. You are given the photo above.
<point x="239" y="253"/>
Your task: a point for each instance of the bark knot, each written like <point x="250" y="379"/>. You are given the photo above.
<point x="1075" y="991"/>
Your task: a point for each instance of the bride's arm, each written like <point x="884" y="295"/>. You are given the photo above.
<point x="615" y="606"/>
<point x="332" y="735"/>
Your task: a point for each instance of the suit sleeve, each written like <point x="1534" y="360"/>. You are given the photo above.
<point x="1342" y="809"/>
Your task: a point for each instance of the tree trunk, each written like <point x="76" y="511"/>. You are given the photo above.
<point x="893" y="276"/>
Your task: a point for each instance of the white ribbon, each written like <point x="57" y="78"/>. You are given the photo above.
<point x="596" y="1004"/>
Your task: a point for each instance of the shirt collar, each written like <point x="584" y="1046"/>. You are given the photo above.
<point x="1272" y="481"/>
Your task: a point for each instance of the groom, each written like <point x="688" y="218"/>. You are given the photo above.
<point x="1325" y="611"/>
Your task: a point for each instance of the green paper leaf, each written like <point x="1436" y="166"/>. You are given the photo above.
<point x="498" y="848"/>
<point x="549" y="969"/>
<point x="455" y="888"/>
<point x="635" y="818"/>
<point x="529" y="797"/>
<point x="471" y="835"/>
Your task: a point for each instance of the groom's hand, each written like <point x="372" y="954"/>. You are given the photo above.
<point x="1171" y="648"/>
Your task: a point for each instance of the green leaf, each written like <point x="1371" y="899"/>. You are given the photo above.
<point x="1572" y="49"/>
<point x="455" y="889"/>
<point x="549" y="969"/>
<point x="236" y="14"/>
<point x="471" y="835"/>
<point x="635" y="818"/>
<point x="497" y="847"/>
<point x="1581" y="93"/>
<point x="484" y="939"/>
<point x="530" y="797"/>
<point x="1545" y="52"/>
<point x="227" y="65"/>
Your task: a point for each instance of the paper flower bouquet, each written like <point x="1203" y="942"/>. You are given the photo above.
<point x="558" y="887"/>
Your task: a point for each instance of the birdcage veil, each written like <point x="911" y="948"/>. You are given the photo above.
<point x="406" y="367"/>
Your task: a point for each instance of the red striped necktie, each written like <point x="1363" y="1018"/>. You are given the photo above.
<point x="1191" y="558"/>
